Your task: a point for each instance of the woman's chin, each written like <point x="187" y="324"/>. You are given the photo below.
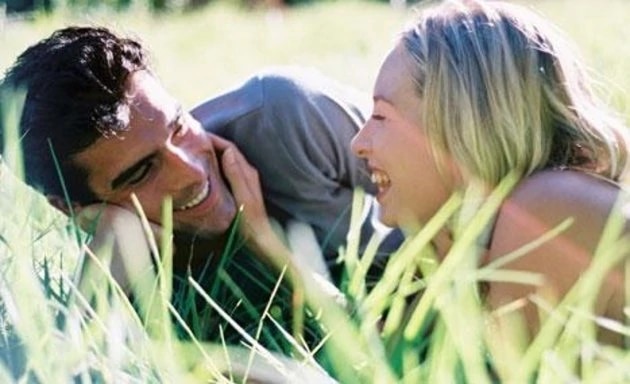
<point x="410" y="226"/>
<point x="386" y="217"/>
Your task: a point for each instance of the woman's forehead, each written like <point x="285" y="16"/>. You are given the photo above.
<point x="395" y="83"/>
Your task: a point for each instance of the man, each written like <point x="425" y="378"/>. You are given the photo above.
<point x="98" y="126"/>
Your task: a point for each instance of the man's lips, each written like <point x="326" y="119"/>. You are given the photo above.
<point x="197" y="199"/>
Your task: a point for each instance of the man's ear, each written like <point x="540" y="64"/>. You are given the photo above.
<point x="62" y="204"/>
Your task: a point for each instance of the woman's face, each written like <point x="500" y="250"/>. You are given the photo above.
<point x="398" y="152"/>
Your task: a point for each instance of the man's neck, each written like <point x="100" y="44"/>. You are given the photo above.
<point x="196" y="253"/>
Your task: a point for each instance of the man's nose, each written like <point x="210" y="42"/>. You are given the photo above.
<point x="184" y="166"/>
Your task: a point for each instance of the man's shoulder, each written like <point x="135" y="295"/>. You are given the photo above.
<point x="228" y="106"/>
<point x="294" y="79"/>
<point x="310" y="86"/>
<point x="276" y="88"/>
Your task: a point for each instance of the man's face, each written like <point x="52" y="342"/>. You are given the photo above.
<point x="165" y="152"/>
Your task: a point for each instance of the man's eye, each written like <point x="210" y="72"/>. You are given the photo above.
<point x="180" y="127"/>
<point x="139" y="174"/>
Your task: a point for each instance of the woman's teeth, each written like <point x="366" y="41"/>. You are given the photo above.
<point x="380" y="179"/>
<point x="197" y="199"/>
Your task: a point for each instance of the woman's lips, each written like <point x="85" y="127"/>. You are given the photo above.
<point x="381" y="180"/>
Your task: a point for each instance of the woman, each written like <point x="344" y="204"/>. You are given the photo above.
<point x="475" y="91"/>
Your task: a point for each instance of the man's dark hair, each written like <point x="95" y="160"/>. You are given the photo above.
<point x="75" y="93"/>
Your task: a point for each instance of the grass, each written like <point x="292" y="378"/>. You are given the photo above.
<point x="57" y="335"/>
<point x="201" y="53"/>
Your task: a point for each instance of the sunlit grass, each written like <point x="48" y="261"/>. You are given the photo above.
<point x="200" y="53"/>
<point x="55" y="327"/>
<point x="422" y="322"/>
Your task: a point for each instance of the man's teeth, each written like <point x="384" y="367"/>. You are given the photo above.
<point x="197" y="199"/>
<point x="380" y="179"/>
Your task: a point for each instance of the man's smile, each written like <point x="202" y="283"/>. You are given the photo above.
<point x="196" y="199"/>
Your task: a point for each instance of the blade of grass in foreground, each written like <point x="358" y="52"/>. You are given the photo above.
<point x="12" y="102"/>
<point x="611" y="250"/>
<point x="458" y="255"/>
<point x="351" y="256"/>
<point x="253" y="342"/>
<point x="376" y="301"/>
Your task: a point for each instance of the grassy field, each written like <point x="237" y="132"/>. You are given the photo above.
<point x="201" y="53"/>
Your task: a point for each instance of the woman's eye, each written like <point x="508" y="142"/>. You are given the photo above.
<point x="378" y="117"/>
<point x="139" y="174"/>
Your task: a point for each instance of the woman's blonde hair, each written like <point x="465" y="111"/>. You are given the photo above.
<point x="502" y="91"/>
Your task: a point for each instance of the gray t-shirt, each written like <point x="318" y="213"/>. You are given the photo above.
<point x="295" y="126"/>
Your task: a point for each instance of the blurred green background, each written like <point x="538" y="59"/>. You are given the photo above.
<point x="202" y="47"/>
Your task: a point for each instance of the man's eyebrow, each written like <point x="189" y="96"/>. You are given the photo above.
<point x="124" y="176"/>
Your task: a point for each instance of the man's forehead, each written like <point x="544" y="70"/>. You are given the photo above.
<point x="151" y="111"/>
<point x="144" y="89"/>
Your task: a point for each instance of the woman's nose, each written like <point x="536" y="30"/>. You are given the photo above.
<point x="359" y="143"/>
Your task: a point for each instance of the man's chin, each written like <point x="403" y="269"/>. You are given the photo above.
<point x="201" y="233"/>
<point x="215" y="226"/>
<point x="206" y="231"/>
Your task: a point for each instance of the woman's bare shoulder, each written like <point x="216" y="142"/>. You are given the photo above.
<point x="550" y="197"/>
<point x="578" y="203"/>
<point x="570" y="189"/>
<point x="575" y="204"/>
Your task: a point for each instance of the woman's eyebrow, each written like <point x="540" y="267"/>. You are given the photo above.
<point x="381" y="99"/>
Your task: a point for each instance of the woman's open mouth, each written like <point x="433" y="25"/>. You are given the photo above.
<point x="382" y="182"/>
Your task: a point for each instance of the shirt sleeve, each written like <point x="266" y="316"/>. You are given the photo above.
<point x="295" y="126"/>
